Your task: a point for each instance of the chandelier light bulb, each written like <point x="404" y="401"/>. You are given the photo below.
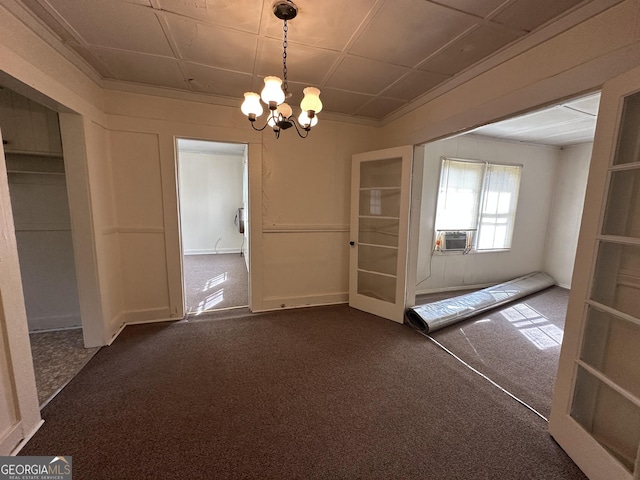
<point x="251" y="105"/>
<point x="311" y="100"/>
<point x="272" y="91"/>
<point x="307" y="122"/>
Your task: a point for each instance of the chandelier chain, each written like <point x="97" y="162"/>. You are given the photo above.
<point x="285" y="84"/>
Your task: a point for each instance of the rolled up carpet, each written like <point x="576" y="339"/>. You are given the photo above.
<point x="430" y="317"/>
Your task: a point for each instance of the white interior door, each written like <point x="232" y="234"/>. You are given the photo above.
<point x="380" y="198"/>
<point x="596" y="408"/>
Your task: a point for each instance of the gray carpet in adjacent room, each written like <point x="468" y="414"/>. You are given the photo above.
<point x="516" y="345"/>
<point x="215" y="281"/>
<point x="328" y="392"/>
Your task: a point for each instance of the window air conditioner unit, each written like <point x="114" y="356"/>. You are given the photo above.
<point x="454" y="241"/>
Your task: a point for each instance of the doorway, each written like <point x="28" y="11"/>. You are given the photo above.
<point x="213" y="200"/>
<point x="37" y="184"/>
<point x="517" y="346"/>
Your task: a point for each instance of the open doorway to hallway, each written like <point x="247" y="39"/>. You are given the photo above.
<point x="213" y="199"/>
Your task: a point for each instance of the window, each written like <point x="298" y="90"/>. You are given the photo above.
<point x="476" y="200"/>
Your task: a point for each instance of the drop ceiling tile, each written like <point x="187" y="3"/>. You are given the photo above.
<point x="115" y="24"/>
<point x="304" y="64"/>
<point x="327" y="24"/>
<point x="405" y="32"/>
<point x="216" y="47"/>
<point x="475" y="7"/>
<point x="470" y="48"/>
<point x="364" y="76"/>
<point x="530" y="14"/>
<point x="219" y="82"/>
<point x="415" y="85"/>
<point x="339" y="101"/>
<point x="236" y="14"/>
<point x="380" y="107"/>
<point x="140" y="68"/>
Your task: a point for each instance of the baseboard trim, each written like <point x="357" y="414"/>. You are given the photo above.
<point x="115" y="335"/>
<point x="58" y="322"/>
<point x="216" y="251"/>
<point x="454" y="288"/>
<point x="136" y="316"/>
<point x="26" y="439"/>
<point x="282" y="303"/>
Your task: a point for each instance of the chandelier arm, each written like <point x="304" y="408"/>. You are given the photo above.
<point x="295" y="124"/>
<point x="253" y="124"/>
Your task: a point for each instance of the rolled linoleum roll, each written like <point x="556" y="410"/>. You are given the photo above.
<point x="430" y="317"/>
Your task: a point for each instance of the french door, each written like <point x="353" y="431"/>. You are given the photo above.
<point x="595" y="415"/>
<point x="380" y="199"/>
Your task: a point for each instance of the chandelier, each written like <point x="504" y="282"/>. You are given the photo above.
<point x="276" y="91"/>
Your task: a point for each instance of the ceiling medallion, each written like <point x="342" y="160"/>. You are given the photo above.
<point x="276" y="91"/>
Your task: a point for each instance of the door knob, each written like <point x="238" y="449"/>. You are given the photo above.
<point x="352" y="243"/>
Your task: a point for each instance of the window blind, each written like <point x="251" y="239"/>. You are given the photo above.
<point x="459" y="195"/>
<point x="500" y="197"/>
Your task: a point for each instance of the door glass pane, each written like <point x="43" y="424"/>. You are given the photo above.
<point x="377" y="286"/>
<point x="378" y="259"/>
<point x="609" y="417"/>
<point x="628" y="149"/>
<point x="616" y="282"/>
<point x="380" y="196"/>
<point x="612" y="346"/>
<point x="379" y="231"/>
<point x="622" y="215"/>
<point x="381" y="173"/>
<point x="379" y="202"/>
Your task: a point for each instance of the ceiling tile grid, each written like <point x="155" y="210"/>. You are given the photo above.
<point x="368" y="57"/>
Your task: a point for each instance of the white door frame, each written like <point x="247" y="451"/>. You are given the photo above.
<point x="19" y="411"/>
<point x="250" y="153"/>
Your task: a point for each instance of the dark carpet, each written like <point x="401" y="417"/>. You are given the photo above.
<point x="327" y="392"/>
<point x="215" y="281"/>
<point x="516" y="345"/>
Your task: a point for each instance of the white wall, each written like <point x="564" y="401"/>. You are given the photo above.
<point x="299" y="192"/>
<point x="454" y="270"/>
<point x="210" y="195"/>
<point x="43" y="234"/>
<point x="566" y="212"/>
